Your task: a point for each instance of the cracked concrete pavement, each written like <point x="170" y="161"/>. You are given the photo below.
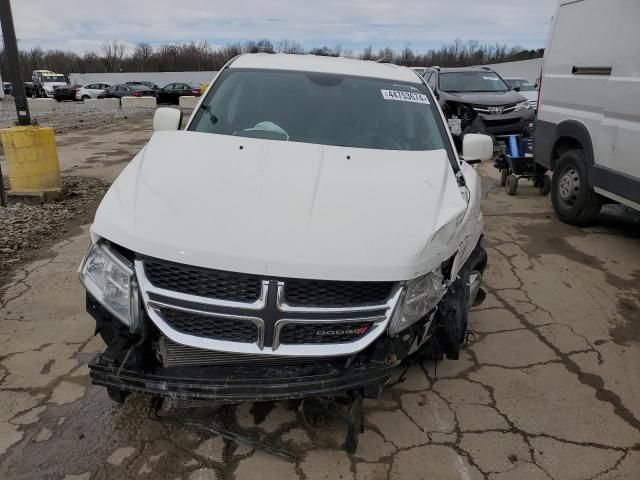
<point x="547" y="388"/>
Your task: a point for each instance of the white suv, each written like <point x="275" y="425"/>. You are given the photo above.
<point x="311" y="227"/>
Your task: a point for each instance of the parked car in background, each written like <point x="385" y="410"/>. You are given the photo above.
<point x="123" y="90"/>
<point x="67" y="92"/>
<point x="527" y="89"/>
<point x="46" y="81"/>
<point x="589" y="111"/>
<point x="151" y="85"/>
<point x="247" y="302"/>
<point x="477" y="100"/>
<point x="93" y="90"/>
<point x="171" y="93"/>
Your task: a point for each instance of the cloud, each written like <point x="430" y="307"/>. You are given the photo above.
<point x="81" y="25"/>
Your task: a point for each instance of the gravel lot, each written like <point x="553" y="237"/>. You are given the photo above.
<point x="28" y="228"/>
<point x="547" y="387"/>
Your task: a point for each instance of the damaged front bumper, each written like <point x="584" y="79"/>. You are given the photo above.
<point x="238" y="384"/>
<point x="148" y="361"/>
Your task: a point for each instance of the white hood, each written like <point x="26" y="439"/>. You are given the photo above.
<point x="52" y="85"/>
<point x="284" y="209"/>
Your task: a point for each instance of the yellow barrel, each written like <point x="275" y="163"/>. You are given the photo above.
<point x="32" y="156"/>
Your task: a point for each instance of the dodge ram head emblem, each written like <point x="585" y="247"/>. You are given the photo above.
<point x="495" y="110"/>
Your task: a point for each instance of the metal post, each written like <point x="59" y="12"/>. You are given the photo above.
<point x="3" y="196"/>
<point x="13" y="60"/>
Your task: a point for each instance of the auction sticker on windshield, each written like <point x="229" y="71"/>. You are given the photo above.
<point x="404" y="96"/>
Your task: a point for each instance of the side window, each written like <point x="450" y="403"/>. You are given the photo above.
<point x="90" y="87"/>
<point x="104" y="86"/>
<point x="170" y="87"/>
<point x="180" y="86"/>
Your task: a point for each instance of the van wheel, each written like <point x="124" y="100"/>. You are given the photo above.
<point x="574" y="202"/>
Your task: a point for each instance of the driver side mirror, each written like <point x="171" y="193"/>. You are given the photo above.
<point x="477" y="148"/>
<point x="167" y="119"/>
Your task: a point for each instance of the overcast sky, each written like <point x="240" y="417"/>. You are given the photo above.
<point x="421" y="24"/>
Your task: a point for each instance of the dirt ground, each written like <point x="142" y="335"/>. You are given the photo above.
<point x="548" y="387"/>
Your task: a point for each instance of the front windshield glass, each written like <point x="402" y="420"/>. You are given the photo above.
<point x="53" y="78"/>
<point x="523" y="84"/>
<point x="472" y="82"/>
<point x="320" y="108"/>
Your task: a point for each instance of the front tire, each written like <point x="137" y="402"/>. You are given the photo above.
<point x="85" y="97"/>
<point x="117" y="395"/>
<point x="573" y="201"/>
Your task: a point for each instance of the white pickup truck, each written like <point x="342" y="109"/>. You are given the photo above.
<point x="310" y="228"/>
<point x="45" y="82"/>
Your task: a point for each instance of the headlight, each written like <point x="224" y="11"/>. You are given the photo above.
<point x="110" y="279"/>
<point x="523" y="106"/>
<point x="420" y="296"/>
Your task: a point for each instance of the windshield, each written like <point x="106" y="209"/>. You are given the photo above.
<point x="472" y="82"/>
<point x="53" y="78"/>
<point x="523" y="84"/>
<point x="320" y="108"/>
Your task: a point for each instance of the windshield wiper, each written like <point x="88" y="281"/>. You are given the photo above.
<point x="212" y="117"/>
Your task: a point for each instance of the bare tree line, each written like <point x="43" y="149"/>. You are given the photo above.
<point x="200" y="56"/>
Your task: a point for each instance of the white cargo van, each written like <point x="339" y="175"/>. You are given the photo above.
<point x="588" y="128"/>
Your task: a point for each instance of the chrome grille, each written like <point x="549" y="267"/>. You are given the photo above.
<point x="286" y="317"/>
<point x="328" y="332"/>
<point x="233" y="329"/>
<point x="494" y="109"/>
<point x="317" y="293"/>
<point x="203" y="282"/>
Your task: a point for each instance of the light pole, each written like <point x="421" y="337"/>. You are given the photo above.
<point x="13" y="61"/>
<point x="31" y="152"/>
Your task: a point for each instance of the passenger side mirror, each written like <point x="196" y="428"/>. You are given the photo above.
<point x="515" y="89"/>
<point x="167" y="119"/>
<point x="477" y="148"/>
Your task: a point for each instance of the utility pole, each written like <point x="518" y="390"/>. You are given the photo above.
<point x="30" y="150"/>
<point x="13" y="60"/>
